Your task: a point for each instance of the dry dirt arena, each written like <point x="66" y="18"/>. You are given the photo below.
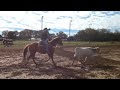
<point x="107" y="66"/>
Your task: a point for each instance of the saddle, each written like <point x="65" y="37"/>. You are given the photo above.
<point x="42" y="46"/>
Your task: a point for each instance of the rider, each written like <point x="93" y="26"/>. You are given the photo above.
<point x="45" y="37"/>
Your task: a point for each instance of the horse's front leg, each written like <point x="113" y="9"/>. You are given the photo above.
<point x="47" y="59"/>
<point x="51" y="56"/>
<point x="53" y="61"/>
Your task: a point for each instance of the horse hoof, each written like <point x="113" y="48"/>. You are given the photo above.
<point x="55" y="65"/>
<point x="46" y="60"/>
<point x="37" y="65"/>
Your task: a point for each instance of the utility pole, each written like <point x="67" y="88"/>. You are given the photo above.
<point x="42" y="23"/>
<point x="69" y="27"/>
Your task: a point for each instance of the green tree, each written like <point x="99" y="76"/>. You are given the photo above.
<point x="12" y="34"/>
<point x="4" y="33"/>
<point x="26" y="34"/>
<point x="62" y="35"/>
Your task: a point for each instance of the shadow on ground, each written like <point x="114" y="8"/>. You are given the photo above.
<point x="59" y="72"/>
<point x="62" y="71"/>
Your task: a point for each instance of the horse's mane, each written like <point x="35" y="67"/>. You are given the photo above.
<point x="54" y="39"/>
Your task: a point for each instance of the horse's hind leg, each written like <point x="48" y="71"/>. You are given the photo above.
<point x="35" y="62"/>
<point x="33" y="57"/>
<point x="27" y="60"/>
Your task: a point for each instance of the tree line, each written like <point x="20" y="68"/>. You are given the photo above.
<point x="87" y="34"/>
<point x="90" y="34"/>
<point x="27" y="34"/>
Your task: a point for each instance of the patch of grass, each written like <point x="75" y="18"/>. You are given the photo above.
<point x="17" y="44"/>
<point x="17" y="47"/>
<point x="20" y="44"/>
<point x="86" y="43"/>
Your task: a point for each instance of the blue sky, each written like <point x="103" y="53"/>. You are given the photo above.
<point x="59" y="20"/>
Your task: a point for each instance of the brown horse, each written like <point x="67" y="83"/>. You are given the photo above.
<point x="30" y="50"/>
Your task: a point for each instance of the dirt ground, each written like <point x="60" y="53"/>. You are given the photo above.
<point x="107" y="66"/>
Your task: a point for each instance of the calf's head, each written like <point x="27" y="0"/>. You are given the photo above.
<point x="96" y="50"/>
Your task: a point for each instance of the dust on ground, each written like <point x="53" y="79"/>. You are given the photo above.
<point x="104" y="67"/>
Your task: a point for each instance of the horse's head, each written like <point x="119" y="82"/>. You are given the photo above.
<point x="56" y="41"/>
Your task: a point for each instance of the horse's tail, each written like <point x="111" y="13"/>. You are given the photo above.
<point x="25" y="51"/>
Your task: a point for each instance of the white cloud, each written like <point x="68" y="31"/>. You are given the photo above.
<point x="59" y="19"/>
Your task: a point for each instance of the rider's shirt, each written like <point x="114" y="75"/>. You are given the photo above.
<point x="44" y="35"/>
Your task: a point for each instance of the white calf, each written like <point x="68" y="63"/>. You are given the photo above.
<point x="84" y="53"/>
